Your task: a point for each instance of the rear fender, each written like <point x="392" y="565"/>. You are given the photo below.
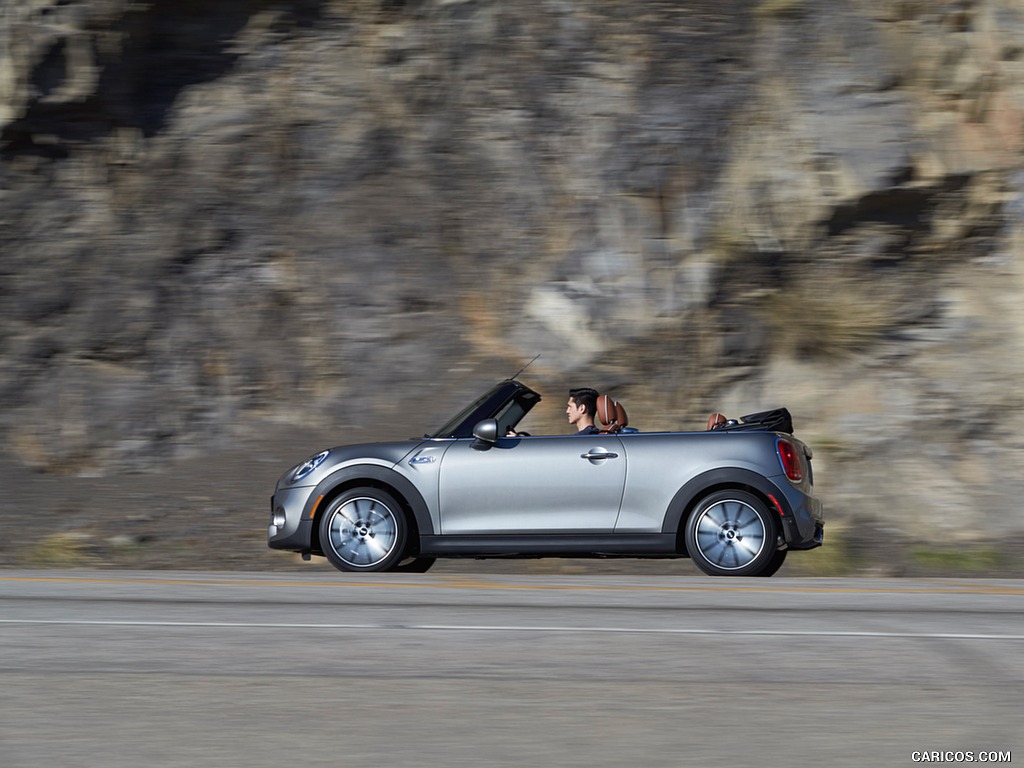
<point x="696" y="488"/>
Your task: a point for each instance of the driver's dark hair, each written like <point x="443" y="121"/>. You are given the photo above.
<point x="586" y="397"/>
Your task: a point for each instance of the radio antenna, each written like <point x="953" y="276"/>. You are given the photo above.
<point x="516" y="374"/>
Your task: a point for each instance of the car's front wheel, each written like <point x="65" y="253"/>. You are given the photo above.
<point x="732" y="533"/>
<point x="364" y="529"/>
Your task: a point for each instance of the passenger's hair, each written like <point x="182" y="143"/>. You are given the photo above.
<point x="586" y="397"/>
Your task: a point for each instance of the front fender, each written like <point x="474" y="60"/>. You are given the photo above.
<point x="370" y="474"/>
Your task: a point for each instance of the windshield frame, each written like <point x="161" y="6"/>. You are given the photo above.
<point x="488" y="406"/>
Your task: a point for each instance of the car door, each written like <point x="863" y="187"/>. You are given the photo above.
<point x="532" y="484"/>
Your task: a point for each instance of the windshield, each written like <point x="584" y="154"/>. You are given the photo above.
<point x="448" y="429"/>
<point x="489" y="405"/>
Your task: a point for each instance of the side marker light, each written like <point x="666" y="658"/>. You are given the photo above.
<point x="312" y="512"/>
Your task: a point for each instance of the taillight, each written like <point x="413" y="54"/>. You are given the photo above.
<point x="790" y="458"/>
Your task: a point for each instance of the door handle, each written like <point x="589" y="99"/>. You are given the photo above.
<point x="592" y="455"/>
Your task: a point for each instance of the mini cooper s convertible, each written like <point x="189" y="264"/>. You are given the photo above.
<point x="736" y="497"/>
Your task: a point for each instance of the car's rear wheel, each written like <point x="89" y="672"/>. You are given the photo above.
<point x="364" y="529"/>
<point x="775" y="563"/>
<point x="732" y="533"/>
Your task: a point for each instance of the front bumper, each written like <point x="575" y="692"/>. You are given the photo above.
<point x="289" y="529"/>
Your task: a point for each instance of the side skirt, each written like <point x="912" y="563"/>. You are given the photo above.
<point x="551" y="545"/>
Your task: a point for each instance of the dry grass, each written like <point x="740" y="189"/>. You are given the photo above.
<point x="831" y="559"/>
<point x="961" y="561"/>
<point x="61" y="550"/>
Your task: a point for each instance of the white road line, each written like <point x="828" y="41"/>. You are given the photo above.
<point x="511" y="628"/>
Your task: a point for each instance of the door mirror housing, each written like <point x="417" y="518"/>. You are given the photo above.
<point x="486" y="431"/>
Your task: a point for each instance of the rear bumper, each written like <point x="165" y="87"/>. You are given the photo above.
<point x="803" y="522"/>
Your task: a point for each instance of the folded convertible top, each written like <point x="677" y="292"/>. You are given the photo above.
<point x="774" y="420"/>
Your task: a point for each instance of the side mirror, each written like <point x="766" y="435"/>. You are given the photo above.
<point x="486" y="431"/>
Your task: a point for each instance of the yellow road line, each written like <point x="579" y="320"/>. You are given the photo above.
<point x="461" y="582"/>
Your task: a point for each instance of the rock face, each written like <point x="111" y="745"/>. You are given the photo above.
<point x="219" y="216"/>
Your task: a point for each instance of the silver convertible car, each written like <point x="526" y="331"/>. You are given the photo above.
<point x="736" y="497"/>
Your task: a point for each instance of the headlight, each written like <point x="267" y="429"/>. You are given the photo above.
<point x="308" y="466"/>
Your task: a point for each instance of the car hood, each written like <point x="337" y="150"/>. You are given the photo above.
<point x="381" y="454"/>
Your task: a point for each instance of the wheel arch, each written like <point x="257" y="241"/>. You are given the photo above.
<point x="723" y="479"/>
<point x="369" y="476"/>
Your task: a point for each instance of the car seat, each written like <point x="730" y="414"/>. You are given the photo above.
<point x="716" y="421"/>
<point x="611" y="414"/>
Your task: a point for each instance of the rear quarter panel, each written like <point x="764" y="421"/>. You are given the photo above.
<point x="659" y="464"/>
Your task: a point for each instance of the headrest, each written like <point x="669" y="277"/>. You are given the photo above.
<point x="620" y="413"/>
<point x="716" y="420"/>
<point x="611" y="414"/>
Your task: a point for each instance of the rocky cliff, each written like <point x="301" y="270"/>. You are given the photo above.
<point x="220" y="217"/>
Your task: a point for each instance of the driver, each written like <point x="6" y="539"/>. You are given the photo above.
<point x="581" y="408"/>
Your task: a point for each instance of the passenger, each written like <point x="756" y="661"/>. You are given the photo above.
<point x="581" y="408"/>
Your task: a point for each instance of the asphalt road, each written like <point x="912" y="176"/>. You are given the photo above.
<point x="112" y="669"/>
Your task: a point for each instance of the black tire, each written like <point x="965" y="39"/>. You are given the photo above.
<point x="732" y="533"/>
<point x="775" y="563"/>
<point x="415" y="565"/>
<point x="364" y="529"/>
